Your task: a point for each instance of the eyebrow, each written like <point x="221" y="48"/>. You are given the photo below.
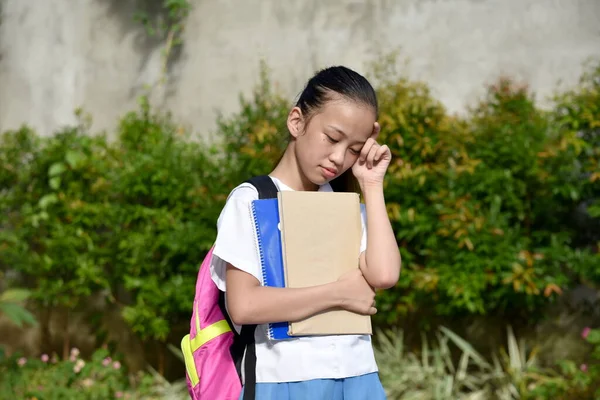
<point x="335" y="128"/>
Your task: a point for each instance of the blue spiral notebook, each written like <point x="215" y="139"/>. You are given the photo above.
<point x="265" y="214"/>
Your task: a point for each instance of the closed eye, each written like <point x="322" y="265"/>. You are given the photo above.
<point x="355" y="152"/>
<point x="332" y="140"/>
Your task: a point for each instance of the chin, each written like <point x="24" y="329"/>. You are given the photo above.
<point x="318" y="180"/>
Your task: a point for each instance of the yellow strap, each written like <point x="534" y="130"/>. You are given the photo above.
<point x="189" y="346"/>
<point x="209" y="333"/>
<point x="188" y="358"/>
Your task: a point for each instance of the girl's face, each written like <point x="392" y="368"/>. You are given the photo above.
<point x="331" y="142"/>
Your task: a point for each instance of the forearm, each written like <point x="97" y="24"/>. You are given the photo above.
<point x="261" y="305"/>
<point x="381" y="262"/>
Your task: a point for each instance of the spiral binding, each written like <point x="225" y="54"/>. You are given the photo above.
<point x="262" y="259"/>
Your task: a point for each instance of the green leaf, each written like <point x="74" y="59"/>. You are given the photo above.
<point x="594" y="210"/>
<point x="55" y="183"/>
<point x="176" y="352"/>
<point x="466" y="347"/>
<point x="48" y="200"/>
<point x="56" y="169"/>
<point x="15" y="295"/>
<point x="17" y="314"/>
<point x="594" y="336"/>
<point x="516" y="361"/>
<point x="73" y="158"/>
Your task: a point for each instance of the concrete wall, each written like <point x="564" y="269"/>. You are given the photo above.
<point x="56" y="55"/>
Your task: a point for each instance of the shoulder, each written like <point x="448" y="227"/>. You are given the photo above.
<point x="235" y="242"/>
<point x="245" y="192"/>
<point x="238" y="205"/>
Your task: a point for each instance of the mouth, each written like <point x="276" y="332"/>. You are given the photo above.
<point x="329" y="172"/>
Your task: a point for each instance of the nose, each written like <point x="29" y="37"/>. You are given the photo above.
<point x="337" y="156"/>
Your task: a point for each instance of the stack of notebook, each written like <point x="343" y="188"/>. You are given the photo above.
<point x="307" y="239"/>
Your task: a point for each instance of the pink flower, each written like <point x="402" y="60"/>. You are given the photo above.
<point x="44" y="358"/>
<point x="106" y="362"/>
<point x="21" y="361"/>
<point x="116" y="365"/>
<point x="87" y="382"/>
<point x="118" y="395"/>
<point x="79" y="366"/>
<point x="74" y="354"/>
<point x="583" y="367"/>
<point x="586" y="331"/>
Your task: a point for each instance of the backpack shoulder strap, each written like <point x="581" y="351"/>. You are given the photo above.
<point x="265" y="186"/>
<point x="266" y="190"/>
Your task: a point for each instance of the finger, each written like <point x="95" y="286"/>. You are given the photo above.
<point x="365" y="150"/>
<point x="381" y="152"/>
<point x="372" y="311"/>
<point x="376" y="130"/>
<point x="371" y="155"/>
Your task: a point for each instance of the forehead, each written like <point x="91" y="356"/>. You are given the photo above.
<point x="355" y="120"/>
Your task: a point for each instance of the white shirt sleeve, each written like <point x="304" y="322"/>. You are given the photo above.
<point x="235" y="242"/>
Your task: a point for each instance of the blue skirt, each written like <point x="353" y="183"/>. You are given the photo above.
<point x="364" y="387"/>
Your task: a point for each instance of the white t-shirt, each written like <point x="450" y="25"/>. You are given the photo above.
<point x="298" y="359"/>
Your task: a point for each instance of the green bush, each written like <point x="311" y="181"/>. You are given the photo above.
<point x="100" y="378"/>
<point x="572" y="381"/>
<point x="482" y="205"/>
<point x="162" y="220"/>
<point x="129" y="220"/>
<point x="451" y="368"/>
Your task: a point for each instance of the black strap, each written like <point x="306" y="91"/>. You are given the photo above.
<point x="249" y="362"/>
<point x="266" y="190"/>
<point x="265" y="186"/>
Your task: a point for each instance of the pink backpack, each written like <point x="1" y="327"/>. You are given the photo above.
<point x="213" y="351"/>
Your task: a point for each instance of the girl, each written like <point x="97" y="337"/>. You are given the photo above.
<point x="333" y="130"/>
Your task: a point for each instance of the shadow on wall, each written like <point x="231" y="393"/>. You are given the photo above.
<point x="146" y="18"/>
<point x="1" y="16"/>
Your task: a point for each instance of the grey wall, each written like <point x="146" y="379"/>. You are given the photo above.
<point x="56" y="55"/>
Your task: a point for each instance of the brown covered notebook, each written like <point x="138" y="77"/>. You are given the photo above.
<point x="320" y="237"/>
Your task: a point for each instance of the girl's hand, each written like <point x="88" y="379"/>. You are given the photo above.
<point x="356" y="294"/>
<point x="373" y="161"/>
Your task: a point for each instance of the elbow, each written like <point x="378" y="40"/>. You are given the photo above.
<point x="238" y="317"/>
<point x="235" y="316"/>
<point x="385" y="282"/>
<point x="239" y="312"/>
<point x="387" y="279"/>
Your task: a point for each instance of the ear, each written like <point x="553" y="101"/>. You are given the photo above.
<point x="295" y="122"/>
<point x="376" y="130"/>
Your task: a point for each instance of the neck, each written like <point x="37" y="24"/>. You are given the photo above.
<point x="288" y="171"/>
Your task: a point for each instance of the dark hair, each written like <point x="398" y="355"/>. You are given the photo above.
<point x="336" y="80"/>
<point x="321" y="88"/>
